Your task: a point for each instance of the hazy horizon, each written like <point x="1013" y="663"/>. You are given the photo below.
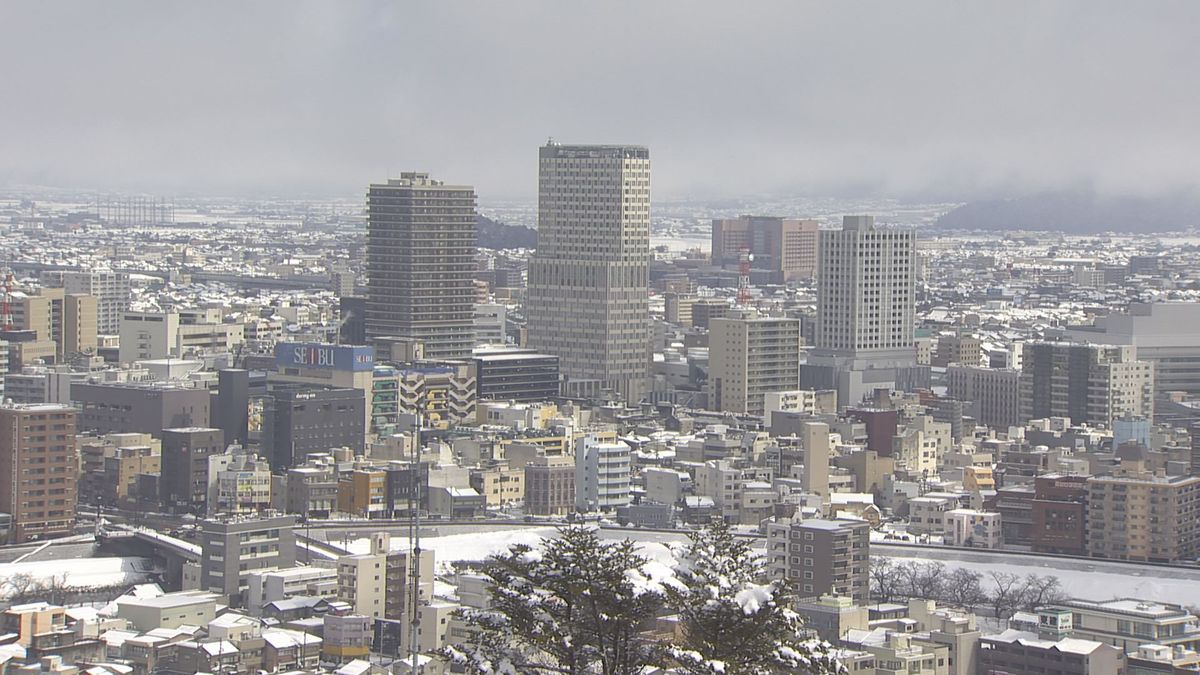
<point x="918" y="101"/>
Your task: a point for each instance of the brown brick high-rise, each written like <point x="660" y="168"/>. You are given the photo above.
<point x="38" y="469"/>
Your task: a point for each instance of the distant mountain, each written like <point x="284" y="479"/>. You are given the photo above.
<point x="1078" y="213"/>
<point x="495" y="234"/>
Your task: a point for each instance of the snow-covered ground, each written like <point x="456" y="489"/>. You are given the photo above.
<point x="82" y="572"/>
<point x="478" y="546"/>
<point x="1087" y="579"/>
<point x="1093" y="580"/>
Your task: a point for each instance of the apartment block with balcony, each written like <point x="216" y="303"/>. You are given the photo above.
<point x="822" y="556"/>
<point x="1135" y="514"/>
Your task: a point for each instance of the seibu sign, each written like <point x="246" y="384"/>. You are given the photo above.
<point x="318" y="355"/>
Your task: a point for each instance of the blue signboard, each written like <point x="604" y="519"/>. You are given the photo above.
<point x="318" y="355"/>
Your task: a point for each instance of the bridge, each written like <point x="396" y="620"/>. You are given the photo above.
<point x="307" y="550"/>
<point x="173" y="546"/>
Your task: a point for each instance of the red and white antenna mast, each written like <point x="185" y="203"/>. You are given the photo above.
<point x="743" y="295"/>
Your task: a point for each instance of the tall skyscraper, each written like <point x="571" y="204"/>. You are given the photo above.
<point x="865" y="299"/>
<point x="865" y="312"/>
<point x="421" y="263"/>
<point x="587" y="301"/>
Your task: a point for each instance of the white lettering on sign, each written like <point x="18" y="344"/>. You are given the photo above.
<point x="313" y="356"/>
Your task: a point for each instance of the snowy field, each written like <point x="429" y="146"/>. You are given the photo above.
<point x="1088" y="579"/>
<point x="477" y="546"/>
<point x="81" y="573"/>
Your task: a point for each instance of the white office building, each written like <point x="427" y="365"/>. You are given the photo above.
<point x="865" y="312"/>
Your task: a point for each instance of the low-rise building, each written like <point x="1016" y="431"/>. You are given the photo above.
<point x="172" y="610"/>
<point x="973" y="528"/>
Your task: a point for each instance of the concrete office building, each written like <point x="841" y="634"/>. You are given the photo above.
<point x="231" y="407"/>
<point x="147" y="335"/>
<point x="1167" y="334"/>
<point x="41" y="384"/>
<point x="865" y="312"/>
<point x="80" y="325"/>
<point x="588" y="298"/>
<point x="815" y="436"/>
<point x="38" y="470"/>
<point x="111" y="290"/>
<point x="1016" y="651"/>
<point x="299" y="419"/>
<point x="748" y="358"/>
<point x="787" y="248"/>
<point x="1138" y="515"/>
<point x="515" y="375"/>
<point x="1088" y="384"/>
<point x="1058" y="519"/>
<point x="113" y="407"/>
<point x="185" y="476"/>
<point x="804" y="401"/>
<point x="233" y="548"/>
<point x="490" y="322"/>
<point x="324" y="365"/>
<point x="996" y="393"/>
<point x="704" y="310"/>
<point x="421" y="263"/>
<point x="957" y="349"/>
<point x="677" y="308"/>
<point x="822" y="557"/>
<point x="1127" y="623"/>
<point x="66" y="319"/>
<point x="602" y="474"/>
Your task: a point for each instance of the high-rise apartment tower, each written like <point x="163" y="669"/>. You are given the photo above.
<point x="421" y="263"/>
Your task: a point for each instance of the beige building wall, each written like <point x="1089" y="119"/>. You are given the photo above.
<point x="749" y="358"/>
<point x="588" y="300"/>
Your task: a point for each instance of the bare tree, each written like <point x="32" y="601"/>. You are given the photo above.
<point x="964" y="588"/>
<point x="885" y="579"/>
<point x="929" y="580"/>
<point x="54" y="588"/>
<point x="1005" y="593"/>
<point x="916" y="579"/>
<point x="1039" y="591"/>
<point x="20" y="585"/>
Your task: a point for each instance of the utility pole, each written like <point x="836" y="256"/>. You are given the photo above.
<point x="414" y="548"/>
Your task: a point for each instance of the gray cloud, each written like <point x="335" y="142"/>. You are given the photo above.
<point x="950" y="98"/>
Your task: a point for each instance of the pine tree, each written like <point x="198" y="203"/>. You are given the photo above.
<point x="574" y="605"/>
<point x="734" y="620"/>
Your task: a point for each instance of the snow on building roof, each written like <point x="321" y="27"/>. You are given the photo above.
<point x="219" y="647"/>
<point x="851" y="498"/>
<point x="355" y="667"/>
<point x="1025" y="638"/>
<point x="232" y="619"/>
<point x="282" y="638"/>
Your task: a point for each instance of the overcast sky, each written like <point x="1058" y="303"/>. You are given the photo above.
<point x="951" y="99"/>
